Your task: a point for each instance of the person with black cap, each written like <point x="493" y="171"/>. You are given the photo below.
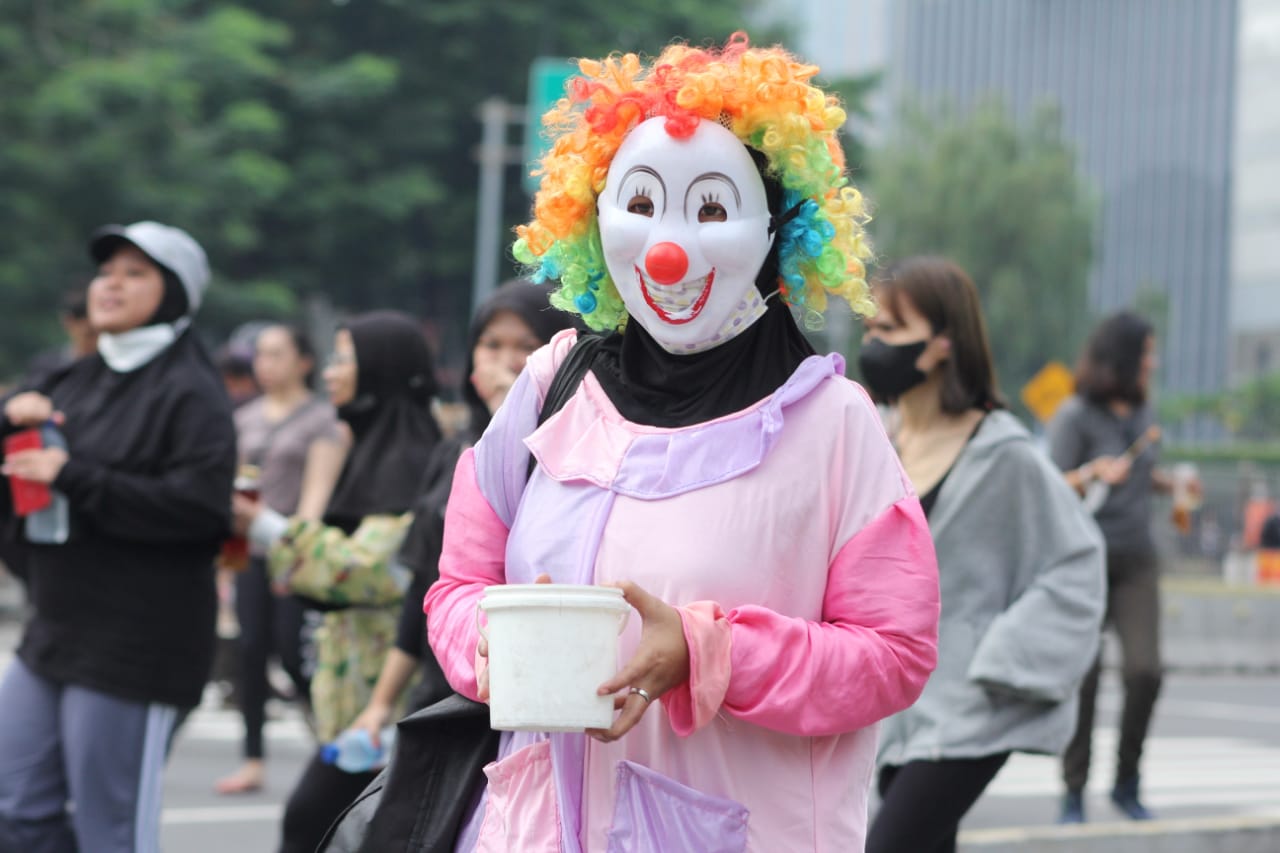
<point x="381" y="380"/>
<point x="121" y="638"/>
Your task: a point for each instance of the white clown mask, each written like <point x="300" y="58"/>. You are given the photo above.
<point x="684" y="224"/>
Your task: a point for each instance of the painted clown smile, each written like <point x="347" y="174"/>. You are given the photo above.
<point x="680" y="303"/>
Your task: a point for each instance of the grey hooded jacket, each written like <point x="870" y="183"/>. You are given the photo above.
<point x="1023" y="581"/>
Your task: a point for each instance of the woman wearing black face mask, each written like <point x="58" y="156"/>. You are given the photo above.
<point x="1019" y="561"/>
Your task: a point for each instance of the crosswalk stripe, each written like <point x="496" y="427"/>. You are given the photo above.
<point x="221" y="814"/>
<point x="1240" y="774"/>
<point x="223" y="726"/>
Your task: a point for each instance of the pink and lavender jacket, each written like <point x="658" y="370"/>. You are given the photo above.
<point x="792" y="544"/>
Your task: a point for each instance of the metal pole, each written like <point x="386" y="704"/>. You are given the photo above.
<point x="493" y="158"/>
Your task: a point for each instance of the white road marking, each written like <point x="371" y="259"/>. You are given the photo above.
<point x="221" y="814"/>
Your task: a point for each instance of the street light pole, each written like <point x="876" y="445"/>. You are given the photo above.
<point x="492" y="155"/>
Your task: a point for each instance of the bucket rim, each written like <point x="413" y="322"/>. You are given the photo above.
<point x="532" y="595"/>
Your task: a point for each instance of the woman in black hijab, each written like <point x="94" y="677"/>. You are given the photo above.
<point x="737" y="489"/>
<point x="507" y="328"/>
<point x="381" y="379"/>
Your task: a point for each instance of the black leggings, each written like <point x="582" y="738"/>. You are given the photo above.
<point x="317" y="800"/>
<point x="922" y="803"/>
<point x="267" y="623"/>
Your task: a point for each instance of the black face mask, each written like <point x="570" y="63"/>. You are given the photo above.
<point x="890" y="370"/>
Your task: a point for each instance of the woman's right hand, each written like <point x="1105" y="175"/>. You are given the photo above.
<point x="31" y="409"/>
<point x="482" y="669"/>
<point x="373" y="719"/>
<point x="482" y="651"/>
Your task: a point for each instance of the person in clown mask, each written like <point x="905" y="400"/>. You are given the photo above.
<point x="737" y="488"/>
<point x="1020" y="561"/>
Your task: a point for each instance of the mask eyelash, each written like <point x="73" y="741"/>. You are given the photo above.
<point x="710" y="198"/>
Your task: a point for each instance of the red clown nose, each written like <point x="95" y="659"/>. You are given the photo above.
<point x="666" y="263"/>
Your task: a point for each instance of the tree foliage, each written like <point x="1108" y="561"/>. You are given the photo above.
<point x="856" y="94"/>
<point x="1004" y="201"/>
<point x="1250" y="411"/>
<point x="311" y="146"/>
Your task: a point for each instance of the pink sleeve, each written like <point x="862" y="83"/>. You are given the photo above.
<point x="472" y="558"/>
<point x="868" y="658"/>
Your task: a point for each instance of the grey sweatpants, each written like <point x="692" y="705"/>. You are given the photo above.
<point x="79" y="770"/>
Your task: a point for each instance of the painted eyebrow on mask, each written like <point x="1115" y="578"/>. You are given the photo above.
<point x="647" y="171"/>
<point x="715" y="176"/>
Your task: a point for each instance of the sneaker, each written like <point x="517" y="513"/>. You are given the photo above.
<point x="1125" y="797"/>
<point x="1072" y="807"/>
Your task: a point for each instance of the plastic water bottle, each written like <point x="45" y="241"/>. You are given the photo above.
<point x="51" y="525"/>
<point x="353" y="750"/>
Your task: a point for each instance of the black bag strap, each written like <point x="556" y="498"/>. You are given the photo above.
<point x="566" y="381"/>
<point x="569" y="375"/>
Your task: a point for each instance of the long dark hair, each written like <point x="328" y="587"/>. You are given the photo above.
<point x="1110" y="367"/>
<point x="302" y="346"/>
<point x="945" y="295"/>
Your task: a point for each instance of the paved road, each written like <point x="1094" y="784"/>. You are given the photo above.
<point x="195" y="820"/>
<point x="1215" y="749"/>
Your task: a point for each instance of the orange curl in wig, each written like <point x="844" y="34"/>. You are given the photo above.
<point x="766" y="98"/>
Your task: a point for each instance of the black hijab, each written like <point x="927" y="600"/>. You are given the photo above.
<point x="530" y="303"/>
<point x="391" y="418"/>
<point x="649" y="385"/>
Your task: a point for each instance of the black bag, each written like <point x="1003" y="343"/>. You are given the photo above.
<point x="418" y="802"/>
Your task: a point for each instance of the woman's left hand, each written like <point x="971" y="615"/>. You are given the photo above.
<point x="36" y="466"/>
<point x="244" y="510"/>
<point x="660" y="663"/>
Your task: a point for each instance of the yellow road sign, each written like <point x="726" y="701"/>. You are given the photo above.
<point x="1048" y="390"/>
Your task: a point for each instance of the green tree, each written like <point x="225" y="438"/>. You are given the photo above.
<point x="856" y="93"/>
<point x="1250" y="412"/>
<point x="311" y="147"/>
<point x="1004" y="200"/>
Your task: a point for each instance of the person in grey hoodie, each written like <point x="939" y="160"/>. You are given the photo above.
<point x="1021" y="564"/>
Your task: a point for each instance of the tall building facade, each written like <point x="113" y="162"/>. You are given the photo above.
<point x="1255" y="263"/>
<point x="1146" y="90"/>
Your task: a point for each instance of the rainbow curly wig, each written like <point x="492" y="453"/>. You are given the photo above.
<point x="764" y="96"/>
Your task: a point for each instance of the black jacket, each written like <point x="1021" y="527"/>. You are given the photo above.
<point x="419" y="803"/>
<point x="127" y="605"/>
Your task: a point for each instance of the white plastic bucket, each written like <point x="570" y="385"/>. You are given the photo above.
<point x="551" y="646"/>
